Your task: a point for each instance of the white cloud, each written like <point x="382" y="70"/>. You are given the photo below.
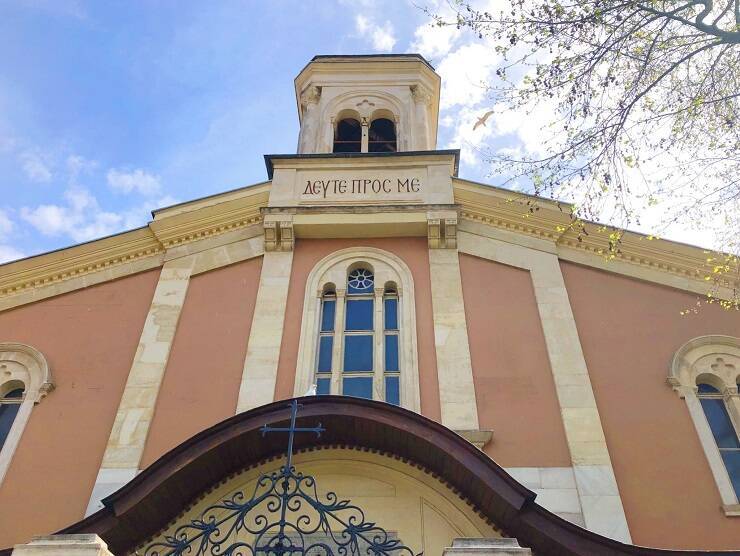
<point x="383" y="37"/>
<point x="81" y="218"/>
<point x="138" y="180"/>
<point x="432" y="41"/>
<point x="464" y="72"/>
<point x="77" y="165"/>
<point x="35" y="167"/>
<point x="6" y="224"/>
<point x="140" y="215"/>
<point x="9" y="253"/>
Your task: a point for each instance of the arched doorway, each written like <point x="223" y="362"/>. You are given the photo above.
<point x="433" y="484"/>
<point x="413" y="508"/>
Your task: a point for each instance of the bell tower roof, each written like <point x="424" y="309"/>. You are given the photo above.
<point x="340" y="96"/>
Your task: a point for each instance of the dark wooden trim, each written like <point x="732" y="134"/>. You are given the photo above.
<point x="159" y="493"/>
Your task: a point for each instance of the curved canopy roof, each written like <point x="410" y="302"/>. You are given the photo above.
<point x="151" y="500"/>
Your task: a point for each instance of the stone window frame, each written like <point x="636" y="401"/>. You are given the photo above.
<point x="696" y="360"/>
<point x="332" y="271"/>
<point x="21" y="363"/>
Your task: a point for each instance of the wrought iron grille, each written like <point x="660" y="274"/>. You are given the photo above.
<point x="283" y="516"/>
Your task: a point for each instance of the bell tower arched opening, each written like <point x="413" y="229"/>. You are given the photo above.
<point x="382" y="136"/>
<point x="348" y="136"/>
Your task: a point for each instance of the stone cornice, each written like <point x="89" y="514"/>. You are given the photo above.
<point x="78" y="260"/>
<point x="508" y="210"/>
<point x="172" y="227"/>
<point x="206" y="221"/>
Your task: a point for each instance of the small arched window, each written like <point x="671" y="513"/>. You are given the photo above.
<point x="10" y="403"/>
<point x="725" y="434"/>
<point x="348" y="136"/>
<point x="382" y="136"/>
<point x="326" y="341"/>
<point x="391" y="367"/>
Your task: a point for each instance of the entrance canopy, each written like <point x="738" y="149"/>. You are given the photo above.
<point x="146" y="505"/>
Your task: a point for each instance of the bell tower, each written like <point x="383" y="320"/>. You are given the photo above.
<point x="367" y="104"/>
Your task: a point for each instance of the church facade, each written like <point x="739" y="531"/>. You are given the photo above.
<point x="478" y="371"/>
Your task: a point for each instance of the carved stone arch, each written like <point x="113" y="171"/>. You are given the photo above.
<point x="387" y="267"/>
<point x="714" y="360"/>
<point x="366" y="103"/>
<point x="699" y="356"/>
<point x="22" y="364"/>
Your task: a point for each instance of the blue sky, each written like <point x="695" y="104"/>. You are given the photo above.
<point x="109" y="109"/>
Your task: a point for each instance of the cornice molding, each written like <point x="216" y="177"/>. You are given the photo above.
<point x="508" y="210"/>
<point x="78" y="260"/>
<point x="172" y="227"/>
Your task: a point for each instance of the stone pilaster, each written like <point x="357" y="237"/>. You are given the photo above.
<point x="310" y="121"/>
<point x="136" y="408"/>
<point x="596" y="483"/>
<point x="454" y="369"/>
<point x="266" y="334"/>
<point x="422" y="98"/>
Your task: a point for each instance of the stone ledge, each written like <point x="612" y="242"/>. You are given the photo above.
<point x="64" y="545"/>
<point x="731" y="510"/>
<point x="477" y="437"/>
<point x="494" y="547"/>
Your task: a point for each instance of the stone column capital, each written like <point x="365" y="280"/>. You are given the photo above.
<point x="310" y="95"/>
<point x="421" y="94"/>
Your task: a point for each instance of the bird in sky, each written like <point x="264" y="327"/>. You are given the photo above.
<point x="482" y="120"/>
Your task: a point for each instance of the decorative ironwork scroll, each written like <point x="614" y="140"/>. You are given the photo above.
<point x="282" y="516"/>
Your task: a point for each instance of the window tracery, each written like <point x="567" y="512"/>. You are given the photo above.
<point x="359" y="339"/>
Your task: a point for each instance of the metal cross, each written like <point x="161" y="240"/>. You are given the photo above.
<point x="291" y="430"/>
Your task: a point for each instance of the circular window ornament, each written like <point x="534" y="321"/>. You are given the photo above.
<point x="360" y="280"/>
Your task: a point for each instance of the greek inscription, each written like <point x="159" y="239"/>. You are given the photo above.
<point x="326" y="189"/>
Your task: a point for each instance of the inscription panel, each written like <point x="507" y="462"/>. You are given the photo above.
<point x="360" y="187"/>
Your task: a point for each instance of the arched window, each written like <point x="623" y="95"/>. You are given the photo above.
<point x="348" y="136"/>
<point x="359" y="336"/>
<point x="10" y="403"/>
<point x="326" y="341"/>
<point x="25" y="380"/>
<point x="391" y="365"/>
<point x="723" y="430"/>
<point x="359" y="330"/>
<point x="382" y="137"/>
<point x="705" y="373"/>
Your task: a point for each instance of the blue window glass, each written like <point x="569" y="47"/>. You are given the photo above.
<point x="391" y="314"/>
<point x="719" y="422"/>
<point x="360" y="387"/>
<point x="325" y="346"/>
<point x="707" y="389"/>
<point x="8" y="411"/>
<point x="359" y="314"/>
<point x="732" y="463"/>
<point x="358" y="353"/>
<point x="391" y="352"/>
<point x="392" y="394"/>
<point x="323" y="386"/>
<point x="328" y="308"/>
<point x="360" y="280"/>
